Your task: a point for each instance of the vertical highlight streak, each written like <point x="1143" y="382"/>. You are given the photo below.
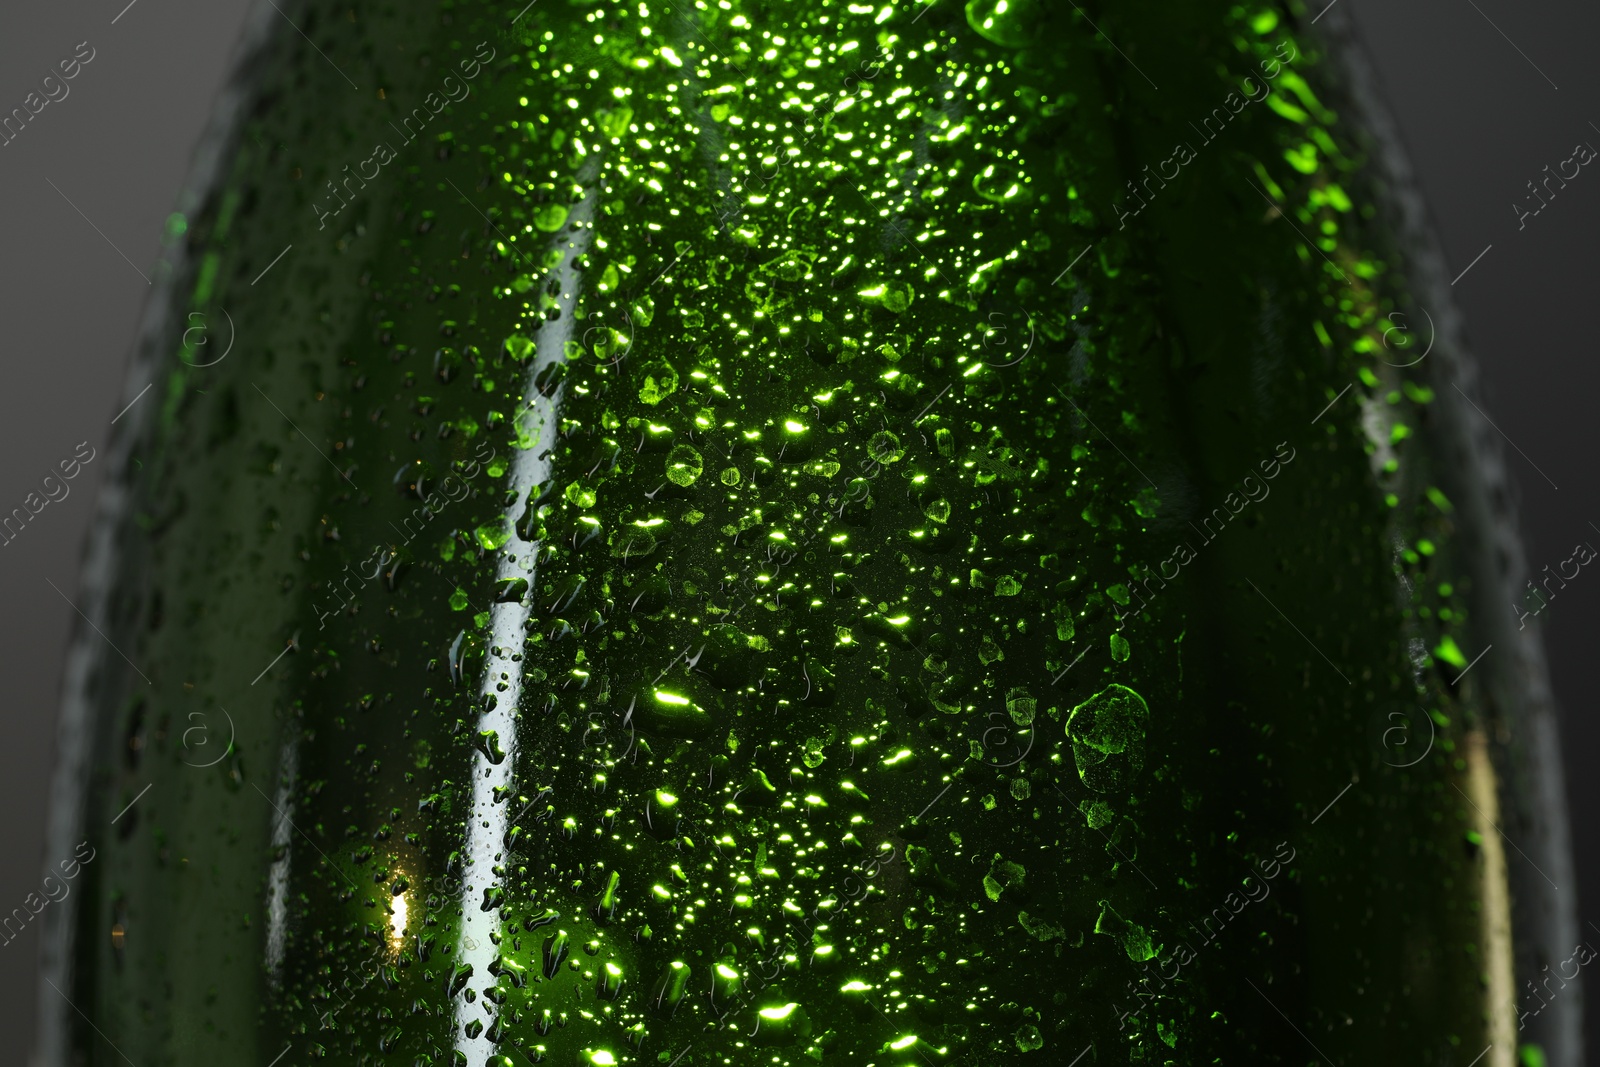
<point x="1499" y="966"/>
<point x="278" y="873"/>
<point x="488" y="824"/>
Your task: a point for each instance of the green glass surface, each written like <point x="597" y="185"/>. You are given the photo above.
<point x="791" y="532"/>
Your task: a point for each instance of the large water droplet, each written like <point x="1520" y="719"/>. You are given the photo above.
<point x="1021" y="705"/>
<point x="550" y="218"/>
<point x="684" y="465"/>
<point x="634" y="544"/>
<point x="555" y="950"/>
<point x="1107" y="733"/>
<point x="1135" y="939"/>
<point x="1004" y="22"/>
<point x="489" y="744"/>
<point x="1002" y="183"/>
<point x="884" y="447"/>
<point x="493" y="535"/>
<point x="660" y="382"/>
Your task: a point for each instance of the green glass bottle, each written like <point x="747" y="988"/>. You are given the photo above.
<point x="704" y="532"/>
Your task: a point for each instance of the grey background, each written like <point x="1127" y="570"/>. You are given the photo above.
<point x="1481" y="116"/>
<point x="119" y="146"/>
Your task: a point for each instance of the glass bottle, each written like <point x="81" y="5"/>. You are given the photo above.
<point x="671" y="532"/>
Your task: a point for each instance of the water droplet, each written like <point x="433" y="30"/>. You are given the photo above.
<point x="555" y="950"/>
<point x="1135" y="939"/>
<point x="668" y="991"/>
<point x="1004" y="22"/>
<point x="489" y="745"/>
<point x="644" y="310"/>
<point x="1001" y="183"/>
<point x="660" y="381"/>
<point x="510" y="590"/>
<point x="550" y="218"/>
<point x="892" y="296"/>
<point x="781" y="1024"/>
<point x="458" y="650"/>
<point x="1064" y="624"/>
<point x="884" y="447"/>
<point x="1003" y="875"/>
<point x="1107" y="733"/>
<point x="684" y="465"/>
<point x="672" y="714"/>
<point x="518" y="347"/>
<point x="492" y="535"/>
<point x="633" y="544"/>
<point x="1096" y="813"/>
<point x="1021" y="706"/>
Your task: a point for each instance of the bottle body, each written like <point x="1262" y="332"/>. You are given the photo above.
<point x="802" y="532"/>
